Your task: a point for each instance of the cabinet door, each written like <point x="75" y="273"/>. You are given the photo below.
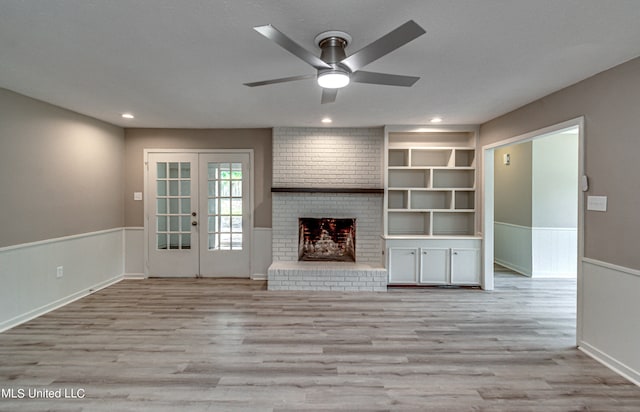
<point x="403" y="266"/>
<point x="434" y="266"/>
<point x="465" y="267"/>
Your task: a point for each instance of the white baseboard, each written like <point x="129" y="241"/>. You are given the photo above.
<point x="259" y="276"/>
<point x="134" y="276"/>
<point x="611" y="363"/>
<point x="32" y="314"/>
<point x="515" y="268"/>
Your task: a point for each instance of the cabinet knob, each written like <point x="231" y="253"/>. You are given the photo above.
<point x="413" y="253"/>
<point x="455" y="253"/>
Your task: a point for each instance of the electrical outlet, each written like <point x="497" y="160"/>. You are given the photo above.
<point x="59" y="271"/>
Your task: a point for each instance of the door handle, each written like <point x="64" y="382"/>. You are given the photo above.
<point x="194" y="223"/>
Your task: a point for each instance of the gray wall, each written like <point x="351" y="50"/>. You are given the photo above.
<point x="136" y="140"/>
<point x="512" y="185"/>
<point x="61" y="173"/>
<point x="610" y="103"/>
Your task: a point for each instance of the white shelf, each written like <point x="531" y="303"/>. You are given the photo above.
<point x="430" y="190"/>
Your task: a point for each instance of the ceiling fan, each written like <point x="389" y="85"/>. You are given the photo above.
<point x="334" y="68"/>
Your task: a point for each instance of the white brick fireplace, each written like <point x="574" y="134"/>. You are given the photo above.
<point x="327" y="173"/>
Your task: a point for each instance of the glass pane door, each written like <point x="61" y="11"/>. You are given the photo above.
<point x="172" y="214"/>
<point x="224" y="211"/>
<point x="225" y="232"/>
<point x="173" y="211"/>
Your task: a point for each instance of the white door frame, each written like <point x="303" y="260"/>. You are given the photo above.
<point x="488" y="204"/>
<point x="145" y="160"/>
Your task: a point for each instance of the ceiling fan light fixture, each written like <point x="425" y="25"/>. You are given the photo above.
<point x="333" y="78"/>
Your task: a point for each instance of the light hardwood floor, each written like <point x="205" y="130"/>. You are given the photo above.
<point x="227" y="345"/>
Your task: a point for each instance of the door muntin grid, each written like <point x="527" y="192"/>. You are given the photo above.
<point x="224" y="206"/>
<point x="173" y="206"/>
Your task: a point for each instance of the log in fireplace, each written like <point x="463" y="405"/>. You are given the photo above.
<point x="327" y="239"/>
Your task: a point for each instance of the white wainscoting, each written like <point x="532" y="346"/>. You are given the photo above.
<point x="610" y="308"/>
<point x="555" y="252"/>
<point x="537" y="252"/>
<point x="513" y="247"/>
<point x="30" y="287"/>
<point x="261" y="253"/>
<point x="134" y="253"/>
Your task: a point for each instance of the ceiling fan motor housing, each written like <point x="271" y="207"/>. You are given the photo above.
<point x="332" y="43"/>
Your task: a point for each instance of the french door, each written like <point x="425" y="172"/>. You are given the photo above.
<point x="198" y="211"/>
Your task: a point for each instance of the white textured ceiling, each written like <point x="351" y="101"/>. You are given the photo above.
<point x="181" y="63"/>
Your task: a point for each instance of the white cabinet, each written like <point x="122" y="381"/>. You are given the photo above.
<point x="465" y="266"/>
<point x="434" y="262"/>
<point x="403" y="266"/>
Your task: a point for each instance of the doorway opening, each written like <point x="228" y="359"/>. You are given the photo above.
<point x="546" y="189"/>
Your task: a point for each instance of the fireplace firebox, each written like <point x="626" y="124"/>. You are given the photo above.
<point x="327" y="239"/>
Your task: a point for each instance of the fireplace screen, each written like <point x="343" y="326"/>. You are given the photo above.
<point x="327" y="239"/>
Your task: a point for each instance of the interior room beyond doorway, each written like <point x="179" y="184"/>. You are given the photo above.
<point x="536" y="205"/>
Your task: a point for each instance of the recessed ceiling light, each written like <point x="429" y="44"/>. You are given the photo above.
<point x="436" y="120"/>
<point x="326" y="120"/>
<point x="127" y="115"/>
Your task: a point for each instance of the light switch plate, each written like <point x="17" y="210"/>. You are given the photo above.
<point x="137" y="195"/>
<point x="597" y="203"/>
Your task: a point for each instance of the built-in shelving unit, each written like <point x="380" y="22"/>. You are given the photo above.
<point x="430" y="190"/>
<point x="430" y="200"/>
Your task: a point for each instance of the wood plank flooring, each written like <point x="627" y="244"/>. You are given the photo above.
<point x="230" y="345"/>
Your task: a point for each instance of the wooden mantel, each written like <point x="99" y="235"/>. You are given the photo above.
<point x="326" y="190"/>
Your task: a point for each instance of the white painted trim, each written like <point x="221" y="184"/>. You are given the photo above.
<point x="134" y="228"/>
<point x="487" y="220"/>
<point x="617" y="268"/>
<point x="555" y="229"/>
<point x="134" y="276"/>
<point x="58" y="239"/>
<point x="32" y="314"/>
<point x="569" y="229"/>
<point x="512" y="225"/>
<point x="545" y="131"/>
<point x="611" y="363"/>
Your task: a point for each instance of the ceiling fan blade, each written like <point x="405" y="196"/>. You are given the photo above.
<point x="384" y="45"/>
<point x="281" y="80"/>
<point x="383" y="78"/>
<point x="329" y="95"/>
<point x="292" y="47"/>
